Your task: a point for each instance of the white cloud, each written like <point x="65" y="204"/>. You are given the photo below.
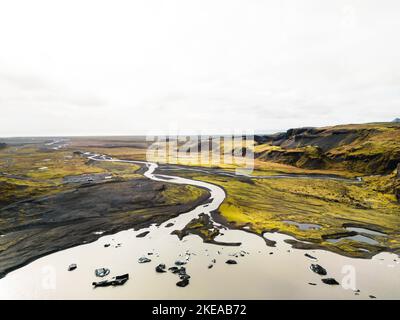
<point x="126" y="67"/>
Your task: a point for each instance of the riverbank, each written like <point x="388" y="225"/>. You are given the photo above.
<point x="87" y="209"/>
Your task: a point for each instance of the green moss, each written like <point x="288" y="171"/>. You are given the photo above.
<point x="266" y="204"/>
<point x="177" y="194"/>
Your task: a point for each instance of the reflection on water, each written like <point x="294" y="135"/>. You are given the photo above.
<point x="358" y="237"/>
<point x="367" y="231"/>
<point x="303" y="226"/>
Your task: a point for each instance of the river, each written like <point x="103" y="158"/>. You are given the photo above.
<point x="261" y="272"/>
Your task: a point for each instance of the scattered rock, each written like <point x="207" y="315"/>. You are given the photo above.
<point x="310" y="256"/>
<point x="184" y="277"/>
<point x="330" y="281"/>
<point x="214" y="261"/>
<point x="210" y="266"/>
<point x="173" y="269"/>
<point x="372" y="297"/>
<point x="161" y="268"/>
<point x="72" y="267"/>
<point x="312" y="284"/>
<point x="230" y="261"/>
<point x="318" y="269"/>
<point x="144" y="260"/>
<point x="143" y="234"/>
<point x="183" y="283"/>
<point x="102" y="272"/>
<point x="149" y="253"/>
<point x="169" y="225"/>
<point x="180" y="262"/>
<point x="181" y="271"/>
<point x="106" y="245"/>
<point x="116" y="281"/>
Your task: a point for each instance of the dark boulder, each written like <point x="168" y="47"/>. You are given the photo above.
<point x="102" y="272"/>
<point x="180" y="262"/>
<point x="143" y="234"/>
<point x="181" y="271"/>
<point x="173" y="269"/>
<point x="310" y="256"/>
<point x="161" y="268"/>
<point x="116" y="281"/>
<point x="144" y="260"/>
<point x="183" y="283"/>
<point x="318" y="269"/>
<point x="230" y="261"/>
<point x="72" y="267"/>
<point x="330" y="281"/>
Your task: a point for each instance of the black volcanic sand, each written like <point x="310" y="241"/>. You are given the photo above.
<point x="37" y="227"/>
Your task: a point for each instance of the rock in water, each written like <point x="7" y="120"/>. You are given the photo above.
<point x="104" y="283"/>
<point x="144" y="260"/>
<point x="143" y="234"/>
<point x="102" y="272"/>
<point x="161" y="268"/>
<point x="318" y="269"/>
<point x="120" y="280"/>
<point x="310" y="256"/>
<point x="230" y="261"/>
<point x="184" y="277"/>
<point x="183" y="283"/>
<point x="181" y="271"/>
<point x="180" y="262"/>
<point x="72" y="267"/>
<point x="330" y="281"/>
<point x="116" y="281"/>
<point x="173" y="269"/>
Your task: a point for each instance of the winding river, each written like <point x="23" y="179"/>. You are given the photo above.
<point x="262" y="272"/>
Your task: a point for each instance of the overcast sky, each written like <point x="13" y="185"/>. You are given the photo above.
<point x="129" y="67"/>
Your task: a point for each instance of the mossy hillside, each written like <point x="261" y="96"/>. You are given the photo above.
<point x="367" y="148"/>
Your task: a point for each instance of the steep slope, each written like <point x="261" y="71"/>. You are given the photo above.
<point x="367" y="149"/>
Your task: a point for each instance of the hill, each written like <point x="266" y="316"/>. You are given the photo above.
<point x="367" y="149"/>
